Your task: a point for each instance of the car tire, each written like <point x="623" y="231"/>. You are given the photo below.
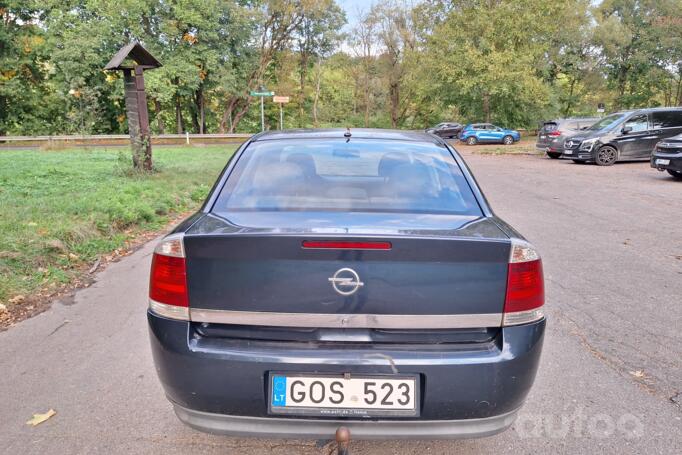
<point x="554" y="155"/>
<point x="472" y="140"/>
<point x="507" y="140"/>
<point x="606" y="156"/>
<point x="675" y="174"/>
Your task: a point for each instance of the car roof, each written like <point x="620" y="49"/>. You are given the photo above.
<point x="339" y="133"/>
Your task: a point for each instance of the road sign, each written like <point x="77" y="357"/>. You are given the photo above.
<point x="262" y="93"/>
<point x="281" y="99"/>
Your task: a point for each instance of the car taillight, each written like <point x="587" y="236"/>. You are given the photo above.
<point x="525" y="285"/>
<point x="556" y="133"/>
<point x="168" y="279"/>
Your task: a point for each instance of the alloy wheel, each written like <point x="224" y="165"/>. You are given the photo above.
<point x="606" y="156"/>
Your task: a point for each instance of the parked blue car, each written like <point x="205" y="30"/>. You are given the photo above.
<point x="474" y="133"/>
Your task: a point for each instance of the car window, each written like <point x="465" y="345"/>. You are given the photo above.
<point x="548" y="127"/>
<point x="638" y="123"/>
<point x="667" y="119"/>
<point x="606" y="122"/>
<point x="359" y="175"/>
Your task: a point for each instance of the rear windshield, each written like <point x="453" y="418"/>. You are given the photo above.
<point x="548" y="127"/>
<point x="358" y="175"/>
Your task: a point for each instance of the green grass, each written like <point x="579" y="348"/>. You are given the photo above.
<point x="60" y="210"/>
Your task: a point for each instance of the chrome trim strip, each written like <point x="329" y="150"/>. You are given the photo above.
<point x="356" y="321"/>
<point x="523" y="317"/>
<point x="169" y="311"/>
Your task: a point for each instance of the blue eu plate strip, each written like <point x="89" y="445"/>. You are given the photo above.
<point x="279" y="391"/>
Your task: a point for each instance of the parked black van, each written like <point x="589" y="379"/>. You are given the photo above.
<point x="624" y="136"/>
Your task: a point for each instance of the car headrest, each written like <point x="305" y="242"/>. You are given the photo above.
<point x="305" y="161"/>
<point x="390" y="161"/>
<point x="278" y="177"/>
<point x="410" y="179"/>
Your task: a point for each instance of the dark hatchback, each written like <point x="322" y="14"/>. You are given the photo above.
<point x="624" y="136"/>
<point x="357" y="279"/>
<point x="446" y="130"/>
<point x="667" y="156"/>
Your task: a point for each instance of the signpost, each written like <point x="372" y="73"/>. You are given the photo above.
<point x="262" y="94"/>
<point x="281" y="100"/>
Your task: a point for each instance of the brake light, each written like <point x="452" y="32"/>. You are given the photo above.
<point x="344" y="245"/>
<point x="556" y="133"/>
<point x="168" y="279"/>
<point x="525" y="295"/>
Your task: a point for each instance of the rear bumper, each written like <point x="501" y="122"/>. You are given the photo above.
<point x="468" y="390"/>
<point x="674" y="161"/>
<point x="270" y="427"/>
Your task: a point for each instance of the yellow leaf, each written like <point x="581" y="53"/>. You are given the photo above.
<point x="40" y="418"/>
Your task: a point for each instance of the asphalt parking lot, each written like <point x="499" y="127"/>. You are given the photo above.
<point x="611" y="372"/>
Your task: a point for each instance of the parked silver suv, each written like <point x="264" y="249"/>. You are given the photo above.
<point x="553" y="133"/>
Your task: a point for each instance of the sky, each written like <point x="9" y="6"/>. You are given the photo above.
<point x="353" y="6"/>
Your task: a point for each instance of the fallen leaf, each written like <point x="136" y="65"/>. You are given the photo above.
<point x="37" y="419"/>
<point x="17" y="299"/>
<point x="73" y="257"/>
<point x="637" y="374"/>
<point x="3" y="308"/>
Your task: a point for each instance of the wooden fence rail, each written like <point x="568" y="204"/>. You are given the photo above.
<point x="104" y="140"/>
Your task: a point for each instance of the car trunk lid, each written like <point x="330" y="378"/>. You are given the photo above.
<point x="440" y="265"/>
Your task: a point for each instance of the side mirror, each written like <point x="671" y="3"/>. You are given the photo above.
<point x="626" y="130"/>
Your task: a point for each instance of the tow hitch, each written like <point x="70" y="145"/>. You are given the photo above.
<point x="342" y="441"/>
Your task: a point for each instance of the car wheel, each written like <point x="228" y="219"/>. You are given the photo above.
<point x="472" y="140"/>
<point x="606" y="156"/>
<point x="676" y="174"/>
<point x="507" y="140"/>
<point x="554" y="155"/>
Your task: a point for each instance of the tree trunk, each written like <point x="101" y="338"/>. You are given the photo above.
<point x="179" y="122"/>
<point x="159" y="120"/>
<point x="394" y="94"/>
<point x="366" y="99"/>
<point x="570" y="99"/>
<point x="318" y="79"/>
<point x="200" y="123"/>
<point x="486" y="107"/>
<point x="303" y="74"/>
<point x="240" y="114"/>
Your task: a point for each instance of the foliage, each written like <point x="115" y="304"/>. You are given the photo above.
<point x="400" y="64"/>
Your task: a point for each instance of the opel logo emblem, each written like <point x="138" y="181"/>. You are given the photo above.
<point x="346" y="281"/>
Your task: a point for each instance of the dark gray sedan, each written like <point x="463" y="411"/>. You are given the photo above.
<point x="354" y="278"/>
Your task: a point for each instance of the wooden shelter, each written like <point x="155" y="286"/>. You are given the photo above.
<point x="133" y="60"/>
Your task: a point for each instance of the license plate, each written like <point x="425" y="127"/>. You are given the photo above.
<point x="664" y="162"/>
<point x="340" y="395"/>
<point x="568" y="152"/>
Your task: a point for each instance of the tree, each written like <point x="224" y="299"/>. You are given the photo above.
<point x="317" y="35"/>
<point x="639" y="49"/>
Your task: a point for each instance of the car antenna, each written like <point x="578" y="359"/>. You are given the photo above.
<point x="347" y="134"/>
